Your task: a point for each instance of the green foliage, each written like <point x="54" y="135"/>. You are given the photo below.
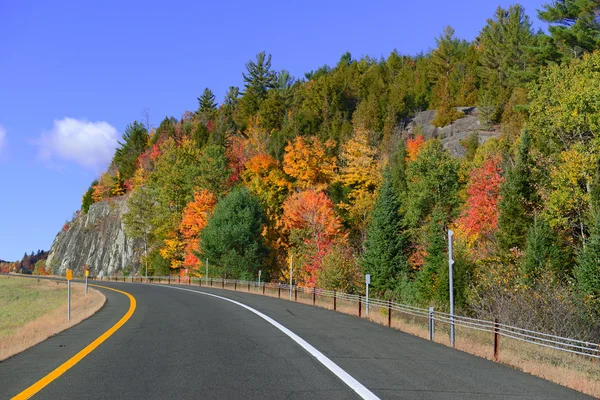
<point x="340" y="271"/>
<point x="587" y="270"/>
<point x="206" y="103"/>
<point x="386" y="244"/>
<point x="542" y="254"/>
<point x="518" y="199"/>
<point x="432" y="182"/>
<point x="471" y="144"/>
<point x="233" y="239"/>
<point x="259" y="76"/>
<point x="87" y="199"/>
<point x="574" y="25"/>
<point x="135" y="141"/>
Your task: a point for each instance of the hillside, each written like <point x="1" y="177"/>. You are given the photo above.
<point x="345" y="172"/>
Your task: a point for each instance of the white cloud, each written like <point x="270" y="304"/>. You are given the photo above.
<point x="89" y="144"/>
<point x="2" y="138"/>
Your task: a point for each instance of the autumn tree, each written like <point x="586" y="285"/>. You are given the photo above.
<point x="194" y="220"/>
<point x="140" y="216"/>
<point x="313" y="227"/>
<point x="307" y="161"/>
<point x="479" y="220"/>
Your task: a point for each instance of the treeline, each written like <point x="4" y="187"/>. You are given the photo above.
<point x="319" y="169"/>
<point x="30" y="263"/>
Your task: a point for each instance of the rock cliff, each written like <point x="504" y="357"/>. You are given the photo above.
<point x="96" y="239"/>
<point x="452" y="134"/>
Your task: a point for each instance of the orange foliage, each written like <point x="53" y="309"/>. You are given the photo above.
<point x="306" y="160"/>
<point x="102" y="190"/>
<point x="413" y="147"/>
<point x="244" y="148"/>
<point x="312" y="212"/>
<point x="195" y="216"/>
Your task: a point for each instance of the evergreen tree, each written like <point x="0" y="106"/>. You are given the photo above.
<point x="259" y="77"/>
<point x="587" y="270"/>
<point x="517" y="200"/>
<point x="207" y="105"/>
<point x="88" y="200"/>
<point x="574" y="25"/>
<point x="398" y="169"/>
<point x="232" y="240"/>
<point x="542" y="253"/>
<point x="384" y="257"/>
<point x="135" y="142"/>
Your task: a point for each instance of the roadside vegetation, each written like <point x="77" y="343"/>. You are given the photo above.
<point x="32" y="310"/>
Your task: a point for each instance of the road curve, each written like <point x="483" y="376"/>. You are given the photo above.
<point x="180" y="344"/>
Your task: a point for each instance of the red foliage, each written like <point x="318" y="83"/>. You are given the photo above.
<point x="480" y="216"/>
<point x="65" y="227"/>
<point x="210" y="126"/>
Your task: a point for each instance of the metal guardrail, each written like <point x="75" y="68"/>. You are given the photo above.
<point x="496" y="328"/>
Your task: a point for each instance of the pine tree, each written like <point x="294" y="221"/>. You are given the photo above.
<point x="542" y="253"/>
<point x="206" y="102"/>
<point x="517" y="200"/>
<point x="259" y="77"/>
<point x="88" y="199"/>
<point x="135" y="142"/>
<point x="574" y="24"/>
<point x="587" y="270"/>
<point x="384" y="257"/>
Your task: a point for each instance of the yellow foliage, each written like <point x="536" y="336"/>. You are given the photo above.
<point x="306" y="161"/>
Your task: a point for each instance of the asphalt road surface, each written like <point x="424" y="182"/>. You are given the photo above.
<point x="181" y="344"/>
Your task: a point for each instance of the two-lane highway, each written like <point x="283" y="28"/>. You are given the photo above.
<point x="183" y="344"/>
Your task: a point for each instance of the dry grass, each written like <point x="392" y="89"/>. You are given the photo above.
<point x="42" y="309"/>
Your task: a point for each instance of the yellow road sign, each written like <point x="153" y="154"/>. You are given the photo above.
<point x="87" y="273"/>
<point x="69" y="275"/>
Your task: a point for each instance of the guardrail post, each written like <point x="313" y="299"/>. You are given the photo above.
<point x="223" y="284"/>
<point x="390" y="312"/>
<point x="248" y="287"/>
<point x="296" y="294"/>
<point x="359" y="306"/>
<point x="200" y="282"/>
<point x="179" y="279"/>
<point x="431" y="326"/>
<point x="314" y="297"/>
<point x="211" y="282"/>
<point x="263" y="288"/>
<point x="235" y="285"/>
<point x="279" y="292"/>
<point x="496" y="338"/>
<point x="169" y="280"/>
<point x="334" y="300"/>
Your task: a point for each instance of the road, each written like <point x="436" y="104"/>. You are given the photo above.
<point x="181" y="344"/>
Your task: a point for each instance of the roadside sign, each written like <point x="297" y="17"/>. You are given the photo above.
<point x="368" y="279"/>
<point x="69" y="275"/>
<point x="87" y="273"/>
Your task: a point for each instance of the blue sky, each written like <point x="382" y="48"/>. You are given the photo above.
<point x="73" y="74"/>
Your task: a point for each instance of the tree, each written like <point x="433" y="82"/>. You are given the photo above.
<point x="232" y="239"/>
<point x="518" y="199"/>
<point x="135" y="142"/>
<point x="574" y="25"/>
<point x="206" y="103"/>
<point x="479" y="219"/>
<point x="259" y="77"/>
<point x="307" y="162"/>
<point x="587" y="270"/>
<point x="118" y="187"/>
<point x="313" y="227"/>
<point x="194" y="220"/>
<point x="138" y="220"/>
<point x="340" y="271"/>
<point x="88" y="199"/>
<point x="542" y="254"/>
<point x="386" y="244"/>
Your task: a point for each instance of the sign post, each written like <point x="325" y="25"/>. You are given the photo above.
<point x="291" y="261"/>
<point x="69" y="278"/>
<point x="367" y="281"/>
<point x="87" y="273"/>
<point x="451" y="283"/>
<point x="259" y="272"/>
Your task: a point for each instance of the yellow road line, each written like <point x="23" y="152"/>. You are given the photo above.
<point x="45" y="381"/>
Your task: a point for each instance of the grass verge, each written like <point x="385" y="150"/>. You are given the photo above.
<point x="32" y="310"/>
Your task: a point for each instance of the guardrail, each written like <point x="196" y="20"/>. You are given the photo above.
<point x="430" y="316"/>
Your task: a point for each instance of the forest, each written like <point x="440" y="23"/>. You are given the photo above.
<point x="321" y="168"/>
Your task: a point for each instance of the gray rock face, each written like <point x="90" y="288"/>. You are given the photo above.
<point x="452" y="134"/>
<point x="96" y="239"/>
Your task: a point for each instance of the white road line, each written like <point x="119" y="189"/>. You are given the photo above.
<point x="330" y="365"/>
